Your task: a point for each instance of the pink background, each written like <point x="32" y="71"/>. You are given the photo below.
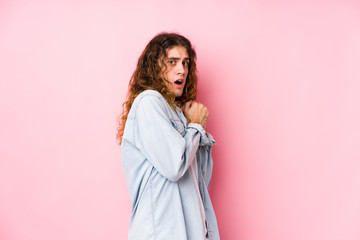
<point x="281" y="80"/>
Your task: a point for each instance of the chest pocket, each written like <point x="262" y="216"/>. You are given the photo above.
<point x="179" y="126"/>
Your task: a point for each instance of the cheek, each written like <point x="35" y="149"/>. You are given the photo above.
<point x="169" y="75"/>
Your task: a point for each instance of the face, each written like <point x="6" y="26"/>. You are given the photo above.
<point x="177" y="63"/>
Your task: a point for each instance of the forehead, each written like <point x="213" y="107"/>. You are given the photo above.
<point x="177" y="52"/>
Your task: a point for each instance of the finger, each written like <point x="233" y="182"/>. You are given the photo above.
<point x="187" y="105"/>
<point x="183" y="107"/>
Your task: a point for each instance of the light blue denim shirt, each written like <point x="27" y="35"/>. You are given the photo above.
<point x="158" y="150"/>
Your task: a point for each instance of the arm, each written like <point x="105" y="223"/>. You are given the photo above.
<point x="203" y="155"/>
<point x="197" y="114"/>
<point x="167" y="150"/>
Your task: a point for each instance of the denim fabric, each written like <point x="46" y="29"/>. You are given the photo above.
<point x="157" y="149"/>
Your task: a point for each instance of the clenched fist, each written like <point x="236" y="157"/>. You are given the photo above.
<point x="196" y="112"/>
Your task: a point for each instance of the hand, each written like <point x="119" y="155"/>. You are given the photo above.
<point x="196" y="112"/>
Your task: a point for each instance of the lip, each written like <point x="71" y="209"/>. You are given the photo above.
<point x="182" y="82"/>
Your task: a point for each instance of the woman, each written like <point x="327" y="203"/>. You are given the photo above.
<point x="166" y="152"/>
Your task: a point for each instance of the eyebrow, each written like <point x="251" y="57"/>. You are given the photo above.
<point x="175" y="58"/>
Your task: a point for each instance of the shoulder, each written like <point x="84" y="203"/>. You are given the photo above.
<point x="150" y="96"/>
<point x="150" y="100"/>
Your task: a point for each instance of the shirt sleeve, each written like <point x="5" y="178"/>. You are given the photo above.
<point x="168" y="151"/>
<point x="205" y="161"/>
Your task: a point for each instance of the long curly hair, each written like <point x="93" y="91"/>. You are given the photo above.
<point x="149" y="74"/>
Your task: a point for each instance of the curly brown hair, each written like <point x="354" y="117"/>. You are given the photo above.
<point x="149" y="74"/>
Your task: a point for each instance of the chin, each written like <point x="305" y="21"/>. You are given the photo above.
<point x="178" y="94"/>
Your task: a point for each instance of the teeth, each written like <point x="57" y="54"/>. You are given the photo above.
<point x="178" y="82"/>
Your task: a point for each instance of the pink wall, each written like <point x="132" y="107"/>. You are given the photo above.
<point x="281" y="80"/>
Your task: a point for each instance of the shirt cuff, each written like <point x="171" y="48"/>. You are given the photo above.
<point x="206" y="138"/>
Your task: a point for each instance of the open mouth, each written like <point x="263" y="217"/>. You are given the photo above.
<point x="178" y="82"/>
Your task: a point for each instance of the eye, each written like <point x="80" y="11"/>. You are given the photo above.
<point x="172" y="62"/>
<point x="186" y="64"/>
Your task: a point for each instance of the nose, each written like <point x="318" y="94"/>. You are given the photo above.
<point x="180" y="68"/>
